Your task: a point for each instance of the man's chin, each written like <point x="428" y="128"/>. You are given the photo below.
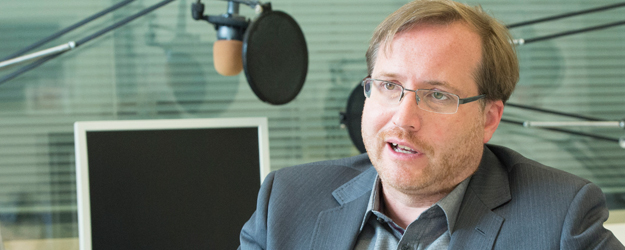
<point x="408" y="182"/>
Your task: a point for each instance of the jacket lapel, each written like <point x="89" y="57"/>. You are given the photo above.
<point x="338" y="228"/>
<point x="477" y="225"/>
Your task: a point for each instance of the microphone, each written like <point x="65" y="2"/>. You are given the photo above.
<point x="227" y="56"/>
<point x="271" y="49"/>
<point x="227" y="50"/>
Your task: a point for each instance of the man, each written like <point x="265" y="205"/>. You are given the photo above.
<point x="439" y="74"/>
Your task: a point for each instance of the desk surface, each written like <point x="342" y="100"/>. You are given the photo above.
<point x="43" y="244"/>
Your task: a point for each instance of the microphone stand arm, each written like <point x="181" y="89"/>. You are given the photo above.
<point x="620" y="141"/>
<point x="231" y="19"/>
<point x="51" y="51"/>
<point x="68" y="29"/>
<point x="54" y="53"/>
<point x="552" y="124"/>
<point x="570" y="14"/>
<point x="523" y="41"/>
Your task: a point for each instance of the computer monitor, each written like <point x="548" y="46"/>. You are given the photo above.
<point x="168" y="184"/>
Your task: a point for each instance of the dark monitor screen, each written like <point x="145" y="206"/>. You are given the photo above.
<point x="170" y="188"/>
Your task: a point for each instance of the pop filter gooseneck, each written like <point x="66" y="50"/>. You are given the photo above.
<point x="275" y="57"/>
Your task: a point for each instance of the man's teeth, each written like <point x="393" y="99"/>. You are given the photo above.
<point x="402" y="149"/>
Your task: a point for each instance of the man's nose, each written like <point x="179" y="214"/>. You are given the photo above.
<point x="408" y="114"/>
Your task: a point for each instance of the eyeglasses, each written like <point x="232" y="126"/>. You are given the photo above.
<point x="431" y="100"/>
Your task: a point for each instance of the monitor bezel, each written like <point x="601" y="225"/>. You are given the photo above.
<point x="81" y="128"/>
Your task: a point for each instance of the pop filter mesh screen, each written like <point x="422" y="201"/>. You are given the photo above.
<point x="275" y="57"/>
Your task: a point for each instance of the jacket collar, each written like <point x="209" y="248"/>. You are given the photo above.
<point x="356" y="187"/>
<point x="338" y="227"/>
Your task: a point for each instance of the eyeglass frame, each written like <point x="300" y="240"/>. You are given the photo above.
<point x="418" y="99"/>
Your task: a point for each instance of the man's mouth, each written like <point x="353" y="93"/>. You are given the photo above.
<point x="402" y="149"/>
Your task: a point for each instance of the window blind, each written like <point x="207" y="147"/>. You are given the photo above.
<point x="160" y="67"/>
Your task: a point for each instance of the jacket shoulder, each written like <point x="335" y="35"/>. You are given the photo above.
<point x="518" y="166"/>
<point x="351" y="166"/>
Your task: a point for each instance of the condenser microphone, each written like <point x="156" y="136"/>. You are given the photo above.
<point x="227" y="49"/>
<point x="227" y="55"/>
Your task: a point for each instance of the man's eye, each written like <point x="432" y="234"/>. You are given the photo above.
<point x="439" y="96"/>
<point x="389" y="86"/>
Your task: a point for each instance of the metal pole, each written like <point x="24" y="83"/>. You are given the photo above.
<point x="551" y="124"/>
<point x="39" y="54"/>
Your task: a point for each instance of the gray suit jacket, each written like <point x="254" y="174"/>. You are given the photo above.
<point x="511" y="203"/>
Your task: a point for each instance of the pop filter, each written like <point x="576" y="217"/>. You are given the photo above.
<point x="275" y="57"/>
<point x="353" y="116"/>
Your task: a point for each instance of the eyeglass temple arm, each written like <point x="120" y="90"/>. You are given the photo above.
<point x="470" y="99"/>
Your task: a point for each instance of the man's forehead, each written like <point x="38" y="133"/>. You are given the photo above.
<point x="430" y="28"/>
<point x="428" y="46"/>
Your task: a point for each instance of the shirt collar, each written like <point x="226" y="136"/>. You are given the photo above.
<point x="450" y="204"/>
<point x="374" y="201"/>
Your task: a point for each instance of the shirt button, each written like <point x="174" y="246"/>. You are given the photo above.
<point x="380" y="220"/>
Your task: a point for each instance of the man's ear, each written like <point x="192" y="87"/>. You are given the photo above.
<point x="492" y="115"/>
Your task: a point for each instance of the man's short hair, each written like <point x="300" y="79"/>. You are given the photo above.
<point x="498" y="71"/>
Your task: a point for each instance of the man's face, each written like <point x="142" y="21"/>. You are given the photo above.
<point x="416" y="151"/>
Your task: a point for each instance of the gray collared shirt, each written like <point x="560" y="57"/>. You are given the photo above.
<point x="431" y="231"/>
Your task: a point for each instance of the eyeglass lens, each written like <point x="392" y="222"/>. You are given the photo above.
<point x="389" y="93"/>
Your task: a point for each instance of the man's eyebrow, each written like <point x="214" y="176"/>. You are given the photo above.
<point x="388" y="75"/>
<point x="443" y="84"/>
